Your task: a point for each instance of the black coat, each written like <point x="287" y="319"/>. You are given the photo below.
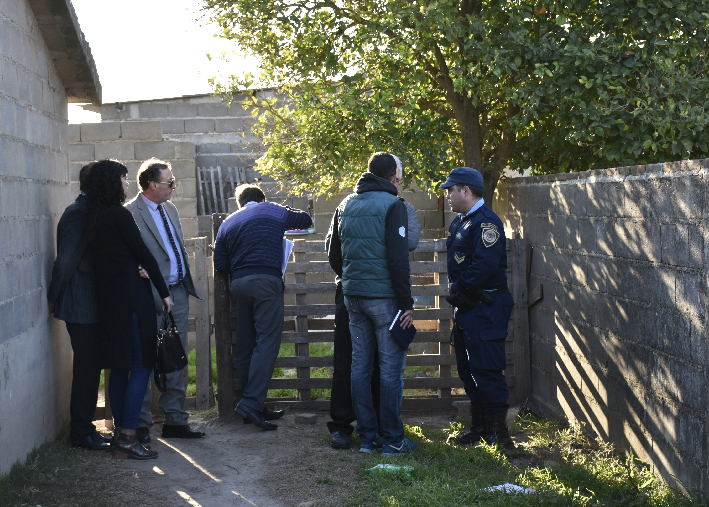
<point x="118" y="249"/>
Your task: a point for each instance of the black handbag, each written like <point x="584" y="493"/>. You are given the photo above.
<point x="171" y="356"/>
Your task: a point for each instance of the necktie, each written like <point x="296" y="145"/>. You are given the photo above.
<point x="180" y="274"/>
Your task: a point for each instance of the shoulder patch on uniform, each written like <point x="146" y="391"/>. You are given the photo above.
<point x="490" y="234"/>
<point x="402" y="231"/>
<point x="449" y="234"/>
<point x="459" y="257"/>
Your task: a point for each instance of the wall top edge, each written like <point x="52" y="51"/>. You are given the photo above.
<point x="615" y="172"/>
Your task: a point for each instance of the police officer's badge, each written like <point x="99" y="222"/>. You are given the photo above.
<point x="459" y="257"/>
<point x="490" y="234"/>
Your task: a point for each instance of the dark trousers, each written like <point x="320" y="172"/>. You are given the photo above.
<point x="259" y="324"/>
<point x="487" y="389"/>
<point x="341" y="410"/>
<point x="85" y="379"/>
<point x="127" y="386"/>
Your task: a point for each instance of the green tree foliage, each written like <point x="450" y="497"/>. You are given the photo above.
<point x="556" y="86"/>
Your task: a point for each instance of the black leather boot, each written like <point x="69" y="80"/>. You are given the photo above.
<point x="477" y="427"/>
<point x="496" y="431"/>
<point x="127" y="446"/>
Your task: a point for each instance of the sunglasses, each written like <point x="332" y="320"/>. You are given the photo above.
<point x="170" y="183"/>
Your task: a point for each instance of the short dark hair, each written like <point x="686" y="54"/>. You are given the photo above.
<point x="150" y="171"/>
<point x="247" y="193"/>
<point x="382" y="164"/>
<point x="84" y="176"/>
<point x="476" y="191"/>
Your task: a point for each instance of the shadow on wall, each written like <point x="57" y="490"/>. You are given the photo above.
<point x="618" y="342"/>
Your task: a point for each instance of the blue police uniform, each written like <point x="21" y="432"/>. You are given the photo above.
<point x="477" y="259"/>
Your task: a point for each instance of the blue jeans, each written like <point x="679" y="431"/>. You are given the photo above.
<point x="369" y="326"/>
<point x="127" y="387"/>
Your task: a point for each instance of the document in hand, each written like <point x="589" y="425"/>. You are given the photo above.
<point x="403" y="337"/>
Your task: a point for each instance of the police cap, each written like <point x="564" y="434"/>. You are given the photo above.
<point x="466" y="176"/>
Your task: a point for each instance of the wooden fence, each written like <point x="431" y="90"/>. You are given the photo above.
<point x="200" y="323"/>
<point x="215" y="185"/>
<point x="308" y="323"/>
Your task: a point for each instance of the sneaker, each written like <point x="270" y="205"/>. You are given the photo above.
<point x="404" y="447"/>
<point x="368" y="447"/>
<point x="339" y="440"/>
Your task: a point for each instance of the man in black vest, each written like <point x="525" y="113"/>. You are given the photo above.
<point x="73" y="294"/>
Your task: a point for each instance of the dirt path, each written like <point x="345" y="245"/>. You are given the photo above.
<point x="239" y="465"/>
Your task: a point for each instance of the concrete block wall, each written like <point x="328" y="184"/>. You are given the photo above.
<point x="619" y="341"/>
<point x="221" y="133"/>
<point x="132" y="143"/>
<point x="35" y="353"/>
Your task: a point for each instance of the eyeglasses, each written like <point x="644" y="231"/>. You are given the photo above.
<point x="170" y="183"/>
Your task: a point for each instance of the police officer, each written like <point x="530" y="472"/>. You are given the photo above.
<point x="477" y="260"/>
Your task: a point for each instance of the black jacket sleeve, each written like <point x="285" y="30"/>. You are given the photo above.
<point x="334" y="247"/>
<point x="131" y="235"/>
<point x="397" y="245"/>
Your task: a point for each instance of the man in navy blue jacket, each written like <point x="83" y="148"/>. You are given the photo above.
<point x="75" y="304"/>
<point x="477" y="260"/>
<point x="249" y="245"/>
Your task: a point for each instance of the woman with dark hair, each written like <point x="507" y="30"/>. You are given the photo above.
<point x="128" y="326"/>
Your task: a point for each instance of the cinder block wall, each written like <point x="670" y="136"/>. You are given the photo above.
<point x="132" y="143"/>
<point x="35" y="353"/>
<point x="221" y="134"/>
<point x="619" y="341"/>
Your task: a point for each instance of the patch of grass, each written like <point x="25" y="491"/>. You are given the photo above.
<point x="560" y="463"/>
<point x="288" y="350"/>
<point x="192" y="371"/>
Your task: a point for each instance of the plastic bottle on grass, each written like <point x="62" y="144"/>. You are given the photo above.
<point x="384" y="468"/>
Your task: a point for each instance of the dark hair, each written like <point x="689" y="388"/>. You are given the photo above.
<point x="382" y="164"/>
<point x="476" y="191"/>
<point x="150" y="171"/>
<point x="247" y="193"/>
<point x="104" y="189"/>
<point x="84" y="176"/>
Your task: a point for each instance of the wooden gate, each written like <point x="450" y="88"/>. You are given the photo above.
<point x="215" y="185"/>
<point x="308" y="323"/>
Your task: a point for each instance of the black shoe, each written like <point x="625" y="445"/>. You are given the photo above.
<point x="179" y="431"/>
<point x="339" y="440"/>
<point x="143" y="434"/>
<point x="127" y="446"/>
<point x="269" y="415"/>
<point x="105" y="438"/>
<point x="477" y="428"/>
<point x="91" y="442"/>
<point x="255" y="417"/>
<point x="496" y="431"/>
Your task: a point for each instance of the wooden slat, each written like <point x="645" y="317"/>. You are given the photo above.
<point x="430" y="290"/>
<point x="328" y="336"/>
<point x="310" y="288"/>
<point x="326" y="383"/>
<point x="431" y="245"/>
<point x="425" y="245"/>
<point x="204" y="373"/>
<point x="520" y="322"/>
<point x="407" y="404"/>
<point x="214" y="193"/>
<point x="222" y="200"/>
<point x="326" y="361"/>
<point x="222" y="335"/>
<point x="308" y="246"/>
<point x="309" y="267"/>
<point x="308" y="310"/>
<point x="201" y="189"/>
<point x="429" y="267"/>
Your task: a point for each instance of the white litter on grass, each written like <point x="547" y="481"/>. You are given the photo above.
<point x="510" y="488"/>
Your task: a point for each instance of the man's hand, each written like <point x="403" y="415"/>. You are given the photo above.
<point x="406" y="319"/>
<point x="143" y="273"/>
<point x="167" y="304"/>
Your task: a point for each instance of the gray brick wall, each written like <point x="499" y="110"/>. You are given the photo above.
<point x="619" y="341"/>
<point x="35" y="354"/>
<point x="131" y="143"/>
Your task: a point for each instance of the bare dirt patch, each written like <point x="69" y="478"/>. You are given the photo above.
<point x="235" y="465"/>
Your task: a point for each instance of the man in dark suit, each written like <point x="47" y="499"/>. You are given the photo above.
<point x="160" y="228"/>
<point x="72" y="291"/>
